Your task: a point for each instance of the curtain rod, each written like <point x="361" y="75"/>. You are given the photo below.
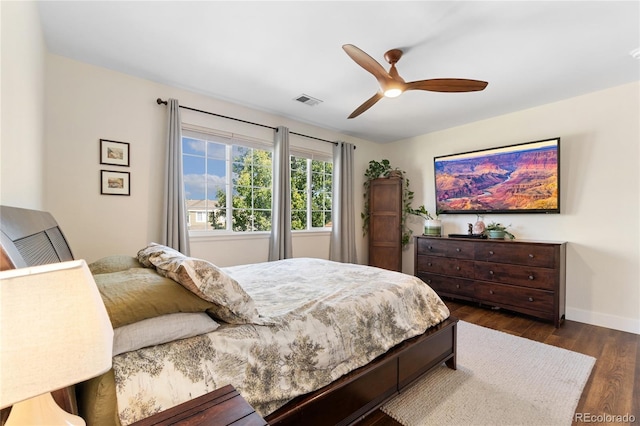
<point x="160" y="101"/>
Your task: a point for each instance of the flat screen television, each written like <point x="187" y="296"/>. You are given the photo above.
<point x="520" y="178"/>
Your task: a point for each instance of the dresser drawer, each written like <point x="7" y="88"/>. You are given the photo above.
<point x="526" y="298"/>
<point x="528" y="276"/>
<point x="446" y="248"/>
<point x="448" y="285"/>
<point x="520" y="254"/>
<point x="446" y="266"/>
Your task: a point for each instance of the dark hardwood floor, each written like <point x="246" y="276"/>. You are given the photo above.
<point x="614" y="386"/>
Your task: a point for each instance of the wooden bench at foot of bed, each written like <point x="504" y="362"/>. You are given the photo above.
<point x="364" y="390"/>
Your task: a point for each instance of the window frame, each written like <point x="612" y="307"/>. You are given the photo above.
<point x="230" y="139"/>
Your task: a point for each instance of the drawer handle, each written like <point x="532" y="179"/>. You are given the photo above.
<point x="428" y="281"/>
<point x="491" y="252"/>
<point x="531" y="256"/>
<point x="531" y="277"/>
<point x="490" y="272"/>
<point x="490" y="291"/>
<point x="457" y="268"/>
<point x="531" y="299"/>
<point x="457" y="249"/>
<point x="430" y="248"/>
<point x="457" y="285"/>
<point x="428" y="263"/>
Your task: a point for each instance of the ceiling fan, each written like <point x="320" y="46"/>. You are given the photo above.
<point x="392" y="85"/>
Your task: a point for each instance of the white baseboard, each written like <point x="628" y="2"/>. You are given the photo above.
<point x="630" y="325"/>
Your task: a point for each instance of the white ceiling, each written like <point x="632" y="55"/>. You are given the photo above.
<point x="264" y="54"/>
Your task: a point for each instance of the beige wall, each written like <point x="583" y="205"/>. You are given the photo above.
<point x="22" y="150"/>
<point x="600" y="194"/>
<point x="85" y="103"/>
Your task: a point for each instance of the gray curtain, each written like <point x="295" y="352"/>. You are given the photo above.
<point x="175" y="233"/>
<point x="343" y="230"/>
<point x="280" y="242"/>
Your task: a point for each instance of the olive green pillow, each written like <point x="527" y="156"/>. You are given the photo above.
<point x="140" y="293"/>
<point x="114" y="263"/>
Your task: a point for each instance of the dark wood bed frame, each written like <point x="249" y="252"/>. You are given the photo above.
<point x="32" y="237"/>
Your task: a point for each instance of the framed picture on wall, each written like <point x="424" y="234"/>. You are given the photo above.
<point x="115" y="183"/>
<point x="114" y="153"/>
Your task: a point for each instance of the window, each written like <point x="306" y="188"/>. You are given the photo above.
<point x="218" y="168"/>
<point x="310" y="193"/>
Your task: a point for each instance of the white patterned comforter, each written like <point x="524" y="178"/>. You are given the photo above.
<point x="326" y="319"/>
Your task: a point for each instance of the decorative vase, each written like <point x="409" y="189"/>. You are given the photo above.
<point x="479" y="226"/>
<point x="496" y="234"/>
<point x="433" y="227"/>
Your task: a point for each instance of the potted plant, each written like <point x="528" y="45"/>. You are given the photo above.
<point x="498" y="231"/>
<point x="383" y="169"/>
<point x="432" y="227"/>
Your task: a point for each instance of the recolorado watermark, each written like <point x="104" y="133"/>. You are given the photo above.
<point x="603" y="418"/>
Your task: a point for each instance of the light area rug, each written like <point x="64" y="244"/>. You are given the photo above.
<point x="501" y="380"/>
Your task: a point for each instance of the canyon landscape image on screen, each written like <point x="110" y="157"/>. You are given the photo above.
<point x="521" y="178"/>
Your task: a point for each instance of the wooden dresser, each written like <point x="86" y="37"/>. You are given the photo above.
<point x="522" y="276"/>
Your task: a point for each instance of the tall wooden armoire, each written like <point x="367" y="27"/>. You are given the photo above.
<point x="385" y="215"/>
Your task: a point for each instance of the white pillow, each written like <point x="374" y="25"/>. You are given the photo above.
<point x="162" y="329"/>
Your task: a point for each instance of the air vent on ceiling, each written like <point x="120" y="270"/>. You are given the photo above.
<point x="307" y="100"/>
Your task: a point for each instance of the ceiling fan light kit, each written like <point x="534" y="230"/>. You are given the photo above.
<point x="392" y="85"/>
<point x="392" y="92"/>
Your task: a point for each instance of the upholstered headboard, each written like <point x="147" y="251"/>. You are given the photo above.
<point x="30" y="238"/>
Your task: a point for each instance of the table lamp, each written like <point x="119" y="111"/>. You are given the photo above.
<point x="54" y="332"/>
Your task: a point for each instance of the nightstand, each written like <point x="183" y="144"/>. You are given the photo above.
<point x="224" y="406"/>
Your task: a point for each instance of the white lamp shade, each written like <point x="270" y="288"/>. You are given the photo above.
<point x="54" y="330"/>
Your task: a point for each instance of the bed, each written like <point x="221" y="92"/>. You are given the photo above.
<point x="272" y="330"/>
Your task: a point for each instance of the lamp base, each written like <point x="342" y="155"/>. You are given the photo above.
<point x="41" y="410"/>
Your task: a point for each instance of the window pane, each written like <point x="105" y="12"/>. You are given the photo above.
<point x="241" y="220"/>
<point x="298" y="220"/>
<point x="261" y="176"/>
<point x="241" y="197"/>
<point x="262" y="220"/>
<point x="218" y="219"/>
<point x="193" y="146"/>
<point x="262" y="198"/>
<point x="216" y="151"/>
<point x="216" y="181"/>
<point x="194" y="169"/>
<point x="321" y="218"/>
<point x="239" y="151"/>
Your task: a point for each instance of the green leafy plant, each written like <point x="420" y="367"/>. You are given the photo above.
<point x="377" y="169"/>
<point x="422" y="212"/>
<point x="494" y="226"/>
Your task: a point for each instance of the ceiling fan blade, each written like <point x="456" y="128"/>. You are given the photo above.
<point x="367" y="62"/>
<point x="366" y="105"/>
<point x="447" y="85"/>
